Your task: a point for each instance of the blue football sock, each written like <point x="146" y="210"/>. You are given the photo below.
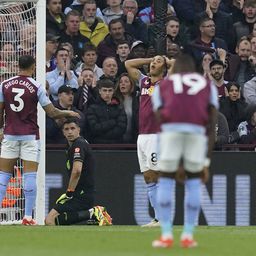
<point x="4" y="179"/>
<point x="165" y="204"/>
<point x="152" y="192"/>
<point x="192" y="204"/>
<point x="30" y="192"/>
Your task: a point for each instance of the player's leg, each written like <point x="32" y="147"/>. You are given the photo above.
<point x="30" y="154"/>
<point x="147" y="156"/>
<point x="8" y="159"/>
<point x="168" y="163"/>
<point x="195" y="148"/>
<point x="76" y="210"/>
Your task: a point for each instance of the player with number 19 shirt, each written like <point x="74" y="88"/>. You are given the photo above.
<point x="186" y="104"/>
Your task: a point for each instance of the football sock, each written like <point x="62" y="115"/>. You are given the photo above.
<point x="152" y="192"/>
<point x="29" y="192"/>
<point x="68" y="218"/>
<point x="165" y="204"/>
<point x="192" y="204"/>
<point x="4" y="179"/>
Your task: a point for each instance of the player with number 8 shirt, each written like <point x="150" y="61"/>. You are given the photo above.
<point x="19" y="131"/>
<point x="148" y="127"/>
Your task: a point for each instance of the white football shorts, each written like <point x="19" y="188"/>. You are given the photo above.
<point x="175" y="146"/>
<point x="147" y="152"/>
<point x="25" y="149"/>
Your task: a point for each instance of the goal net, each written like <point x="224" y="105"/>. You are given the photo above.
<point x="17" y="35"/>
<point x="22" y="31"/>
<point x="12" y="208"/>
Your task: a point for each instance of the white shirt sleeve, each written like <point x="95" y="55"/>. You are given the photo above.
<point x="1" y="93"/>
<point x="156" y="98"/>
<point x="42" y="96"/>
<point x="214" y="99"/>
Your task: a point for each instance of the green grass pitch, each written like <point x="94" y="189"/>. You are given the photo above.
<point x="121" y="240"/>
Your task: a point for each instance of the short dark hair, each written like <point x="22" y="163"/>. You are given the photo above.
<point x="72" y="13"/>
<point x="61" y="49"/>
<point x="89" y="69"/>
<point x="216" y="62"/>
<point x="70" y="120"/>
<point x="204" y="19"/>
<point x="105" y="82"/>
<point x="184" y="63"/>
<point x="123" y="42"/>
<point x="114" y="21"/>
<point x="89" y="47"/>
<point x="26" y="61"/>
<point x="174" y="18"/>
<point x="249" y="3"/>
<point x="232" y="83"/>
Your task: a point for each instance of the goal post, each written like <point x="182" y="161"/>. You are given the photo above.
<point x="23" y="31"/>
<point x="41" y="78"/>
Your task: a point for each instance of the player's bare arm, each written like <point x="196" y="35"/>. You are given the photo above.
<point x="75" y="175"/>
<point x="53" y="112"/>
<point x="132" y="66"/>
<point x="213" y="112"/>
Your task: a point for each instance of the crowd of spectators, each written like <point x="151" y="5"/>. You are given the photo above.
<point x="88" y="41"/>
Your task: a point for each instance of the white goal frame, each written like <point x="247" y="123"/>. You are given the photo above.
<point x="40" y="77"/>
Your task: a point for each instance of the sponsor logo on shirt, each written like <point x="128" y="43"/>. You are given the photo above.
<point x="147" y="91"/>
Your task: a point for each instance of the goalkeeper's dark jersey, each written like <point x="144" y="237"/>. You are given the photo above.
<point x="80" y="151"/>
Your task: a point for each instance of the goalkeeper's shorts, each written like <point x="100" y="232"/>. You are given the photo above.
<point x="76" y="204"/>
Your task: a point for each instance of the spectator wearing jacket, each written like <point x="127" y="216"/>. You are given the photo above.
<point x="127" y="94"/>
<point x="72" y="34"/>
<point x="91" y="26"/>
<point x="233" y="108"/>
<point x="250" y="91"/>
<point x="222" y="20"/>
<point x="55" y="18"/>
<point x="245" y="26"/>
<point x="78" y="5"/>
<point x="117" y="33"/>
<point x="106" y="118"/>
<point x="240" y="69"/>
<point x="133" y="24"/>
<point x="206" y="40"/>
<point x="247" y="129"/>
<point x="64" y="102"/>
<point x="113" y="11"/>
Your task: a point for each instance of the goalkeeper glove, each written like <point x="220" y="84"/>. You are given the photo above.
<point x="65" y="197"/>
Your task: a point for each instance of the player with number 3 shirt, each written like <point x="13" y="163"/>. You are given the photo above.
<point x="19" y="131"/>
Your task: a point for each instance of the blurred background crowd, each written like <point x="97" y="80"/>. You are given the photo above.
<point x="88" y="42"/>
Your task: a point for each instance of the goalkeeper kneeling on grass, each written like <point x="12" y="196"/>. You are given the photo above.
<point x="76" y="205"/>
